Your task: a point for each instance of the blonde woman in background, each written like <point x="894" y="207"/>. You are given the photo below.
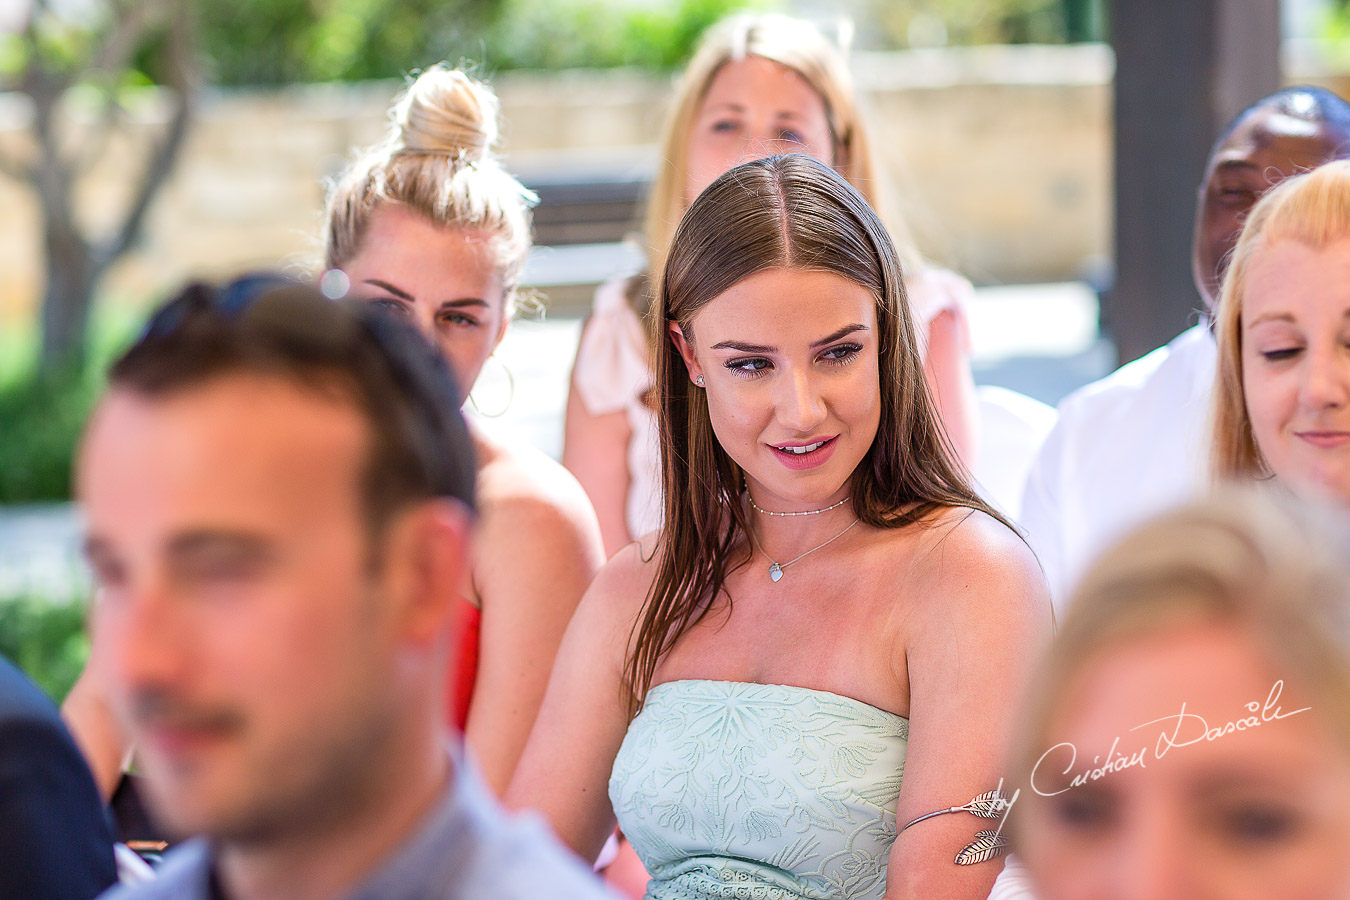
<point x="1189" y="732"/>
<point x="757" y="85"/>
<point x="428" y="225"/>
<point x="1282" y="392"/>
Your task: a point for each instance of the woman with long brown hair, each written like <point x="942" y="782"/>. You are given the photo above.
<point x="827" y="636"/>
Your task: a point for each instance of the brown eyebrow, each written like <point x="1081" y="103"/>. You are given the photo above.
<point x="1270" y="317"/>
<point x="397" y="292"/>
<point x="740" y="108"/>
<point x="404" y="295"/>
<point x="1282" y="317"/>
<point x="189" y="544"/>
<point x="1232" y="161"/>
<point x="744" y="347"/>
<point x="842" y="332"/>
<point x="193" y="542"/>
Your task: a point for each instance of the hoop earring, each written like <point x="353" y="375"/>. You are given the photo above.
<point x="510" y="392"/>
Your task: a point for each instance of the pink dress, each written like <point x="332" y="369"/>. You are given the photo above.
<point x="612" y="375"/>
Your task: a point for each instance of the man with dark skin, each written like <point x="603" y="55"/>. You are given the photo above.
<point x="1134" y="443"/>
<point x="1292" y="131"/>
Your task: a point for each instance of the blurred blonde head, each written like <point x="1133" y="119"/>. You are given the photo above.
<point x="1313" y="209"/>
<point x="1188" y="733"/>
<point x="1245" y="556"/>
<point x="800" y="47"/>
<point x="437" y="161"/>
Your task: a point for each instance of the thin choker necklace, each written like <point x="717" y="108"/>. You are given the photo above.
<point x="776" y="569"/>
<point x="809" y="512"/>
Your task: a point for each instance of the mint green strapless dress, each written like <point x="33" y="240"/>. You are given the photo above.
<point x="759" y="791"/>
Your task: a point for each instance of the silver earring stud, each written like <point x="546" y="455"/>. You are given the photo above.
<point x="698" y="380"/>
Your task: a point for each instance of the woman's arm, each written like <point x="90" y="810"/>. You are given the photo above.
<point x="948" y="368"/>
<point x="566" y="767"/>
<point x="535" y="553"/>
<point x="970" y="650"/>
<point x="595" y="450"/>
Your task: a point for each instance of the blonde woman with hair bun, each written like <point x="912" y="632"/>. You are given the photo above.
<point x="758" y="84"/>
<point x="429" y="225"/>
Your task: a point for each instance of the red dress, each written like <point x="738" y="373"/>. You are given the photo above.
<point x="465" y="628"/>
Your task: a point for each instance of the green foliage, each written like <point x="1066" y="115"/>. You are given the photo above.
<point x="545" y="34"/>
<point x="904" y="23"/>
<point x="41" y="417"/>
<point x="284" y="41"/>
<point x="1333" y="37"/>
<point x="64" y="42"/>
<point x="46" y="639"/>
<point x="260" y="42"/>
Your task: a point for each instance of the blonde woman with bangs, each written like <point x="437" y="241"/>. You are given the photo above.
<point x="757" y="85"/>
<point x="1282" y="392"/>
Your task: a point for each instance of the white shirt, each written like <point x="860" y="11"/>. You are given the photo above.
<point x="1125" y="448"/>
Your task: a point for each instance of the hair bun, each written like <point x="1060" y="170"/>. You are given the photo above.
<point x="446" y="111"/>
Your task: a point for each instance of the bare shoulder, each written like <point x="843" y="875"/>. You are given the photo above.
<point x="520" y="487"/>
<point x="622" y="584"/>
<point x="611" y="607"/>
<point x="979" y="567"/>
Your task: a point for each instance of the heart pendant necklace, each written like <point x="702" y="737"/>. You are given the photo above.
<point x="776" y="569"/>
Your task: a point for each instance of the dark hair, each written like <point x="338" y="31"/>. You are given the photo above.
<point x="781" y="211"/>
<point x="1311" y="104"/>
<point x="268" y="324"/>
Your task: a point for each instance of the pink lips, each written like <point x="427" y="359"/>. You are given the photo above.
<point x="177" y="743"/>
<point x="795" y="459"/>
<point x="1326" y="440"/>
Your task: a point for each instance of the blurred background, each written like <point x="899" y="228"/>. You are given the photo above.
<point x="143" y="142"/>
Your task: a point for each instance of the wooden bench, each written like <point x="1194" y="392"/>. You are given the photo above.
<point x="585" y="214"/>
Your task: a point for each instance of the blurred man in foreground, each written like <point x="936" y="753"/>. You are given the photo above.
<point x="278" y="490"/>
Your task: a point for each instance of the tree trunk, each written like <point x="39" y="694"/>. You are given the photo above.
<point x="67" y="300"/>
<point x="76" y="261"/>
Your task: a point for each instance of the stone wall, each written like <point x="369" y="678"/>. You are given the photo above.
<point x="1000" y="158"/>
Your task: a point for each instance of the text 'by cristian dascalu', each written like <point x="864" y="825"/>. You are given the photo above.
<point x="1183" y="729"/>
